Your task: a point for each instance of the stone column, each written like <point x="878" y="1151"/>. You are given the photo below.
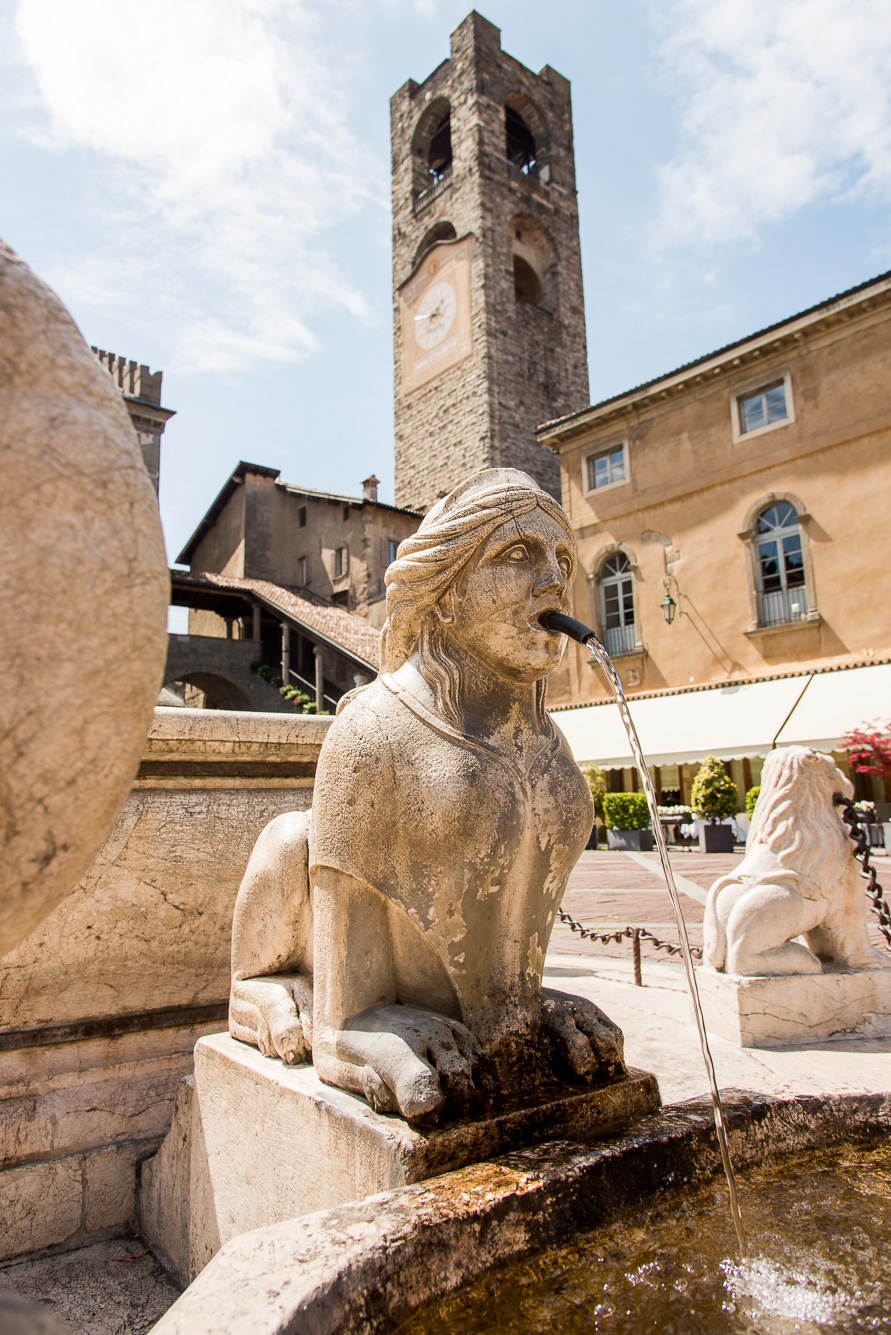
<point x="256" y="624"/>
<point x="319" y="656"/>
<point x="286" y="652"/>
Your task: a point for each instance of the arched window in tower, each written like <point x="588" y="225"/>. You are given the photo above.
<point x="616" y="583"/>
<point x="431" y="148"/>
<point x="519" y="141"/>
<point x="527" y="284"/>
<point x="441" y="231"/>
<point x="533" y="263"/>
<point x="779" y="560"/>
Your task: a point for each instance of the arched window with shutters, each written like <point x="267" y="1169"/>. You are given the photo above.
<point x="615" y="581"/>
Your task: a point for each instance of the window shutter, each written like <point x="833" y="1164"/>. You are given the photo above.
<point x="385" y="552"/>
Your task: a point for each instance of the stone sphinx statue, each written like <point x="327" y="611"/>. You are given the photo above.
<point x="796" y="900"/>
<point x="396" y="935"/>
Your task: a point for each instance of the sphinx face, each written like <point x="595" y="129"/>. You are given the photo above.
<point x="524" y="569"/>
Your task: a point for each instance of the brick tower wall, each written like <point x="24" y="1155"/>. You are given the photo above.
<point x="529" y="362"/>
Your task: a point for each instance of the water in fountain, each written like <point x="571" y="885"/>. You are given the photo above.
<point x="824" y="1238"/>
<point x="584" y="635"/>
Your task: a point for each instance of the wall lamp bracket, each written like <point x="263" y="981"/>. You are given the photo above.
<point x="669" y="607"/>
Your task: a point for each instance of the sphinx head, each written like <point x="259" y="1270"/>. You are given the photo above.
<point x="487" y="562"/>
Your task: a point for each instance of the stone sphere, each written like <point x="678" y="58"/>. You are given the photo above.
<point x="83" y="598"/>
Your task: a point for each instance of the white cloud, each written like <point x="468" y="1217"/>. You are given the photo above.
<point x="219" y="132"/>
<point x="783" y="103"/>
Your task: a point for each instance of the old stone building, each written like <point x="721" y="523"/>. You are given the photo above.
<point x="287" y="577"/>
<point x="141" y="391"/>
<point x="734" y="543"/>
<point x="337" y="547"/>
<point x="489" y="332"/>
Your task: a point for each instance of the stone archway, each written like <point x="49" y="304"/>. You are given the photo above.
<point x="207" y="690"/>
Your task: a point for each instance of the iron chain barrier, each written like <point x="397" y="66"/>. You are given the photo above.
<point x="858" y="823"/>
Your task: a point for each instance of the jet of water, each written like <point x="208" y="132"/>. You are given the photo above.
<point x="576" y="630"/>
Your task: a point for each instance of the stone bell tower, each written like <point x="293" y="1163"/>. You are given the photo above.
<point x="489" y="336"/>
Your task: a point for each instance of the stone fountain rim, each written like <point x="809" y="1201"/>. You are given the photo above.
<point x="366" y="1266"/>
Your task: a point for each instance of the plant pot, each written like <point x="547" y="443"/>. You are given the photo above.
<point x="630" y="841"/>
<point x="715" y="838"/>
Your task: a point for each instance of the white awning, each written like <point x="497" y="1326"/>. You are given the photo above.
<point x="732" y="721"/>
<point x="835" y="703"/>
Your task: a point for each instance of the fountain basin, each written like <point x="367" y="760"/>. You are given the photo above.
<point x="367" y="1266"/>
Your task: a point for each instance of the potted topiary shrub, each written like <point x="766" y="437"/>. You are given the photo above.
<point x="627" y="820"/>
<point x="714" y="798"/>
<point x="597" y="783"/>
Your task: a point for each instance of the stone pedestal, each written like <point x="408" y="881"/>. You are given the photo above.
<point x="795" y="1009"/>
<point x="255" y="1142"/>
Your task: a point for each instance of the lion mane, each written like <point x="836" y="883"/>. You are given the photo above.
<point x="794" y="814"/>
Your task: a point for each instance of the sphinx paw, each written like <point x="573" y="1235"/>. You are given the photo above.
<point x="427" y="1063"/>
<point x="275" y="1015"/>
<point x="587" y="1043"/>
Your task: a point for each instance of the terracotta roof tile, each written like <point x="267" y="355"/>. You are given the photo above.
<point x="343" y="628"/>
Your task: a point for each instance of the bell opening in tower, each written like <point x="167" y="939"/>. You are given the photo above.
<point x="439" y="154"/>
<point x="519" y="141"/>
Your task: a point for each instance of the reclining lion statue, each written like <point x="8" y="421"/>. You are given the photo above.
<point x="396" y="935"/>
<point x="798" y="879"/>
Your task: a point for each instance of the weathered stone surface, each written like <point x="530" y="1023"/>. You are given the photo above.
<point x="164" y="1187"/>
<point x="83" y="596"/>
<point x="258" y="1142"/>
<point x="102" y="1004"/>
<point x="797" y="1008"/>
<point x="40" y="1205"/>
<point x="109" y="1191"/>
<point x="69" y="1200"/>
<point x="149" y="925"/>
<point x="366" y="1266"/>
<point x="797" y="879"/>
<point x="400" y="934"/>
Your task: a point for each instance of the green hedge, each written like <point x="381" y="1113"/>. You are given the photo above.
<point x="752" y="798"/>
<point x="625" y="811"/>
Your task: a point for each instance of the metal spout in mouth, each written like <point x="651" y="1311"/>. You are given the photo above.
<point x="564" y="625"/>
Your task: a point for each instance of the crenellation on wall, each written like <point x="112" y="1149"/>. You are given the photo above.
<point x="141" y="390"/>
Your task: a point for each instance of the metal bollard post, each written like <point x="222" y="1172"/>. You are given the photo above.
<point x="635" y="958"/>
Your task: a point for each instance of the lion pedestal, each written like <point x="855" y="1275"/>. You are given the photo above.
<point x="791" y="1009"/>
<point x="785" y="937"/>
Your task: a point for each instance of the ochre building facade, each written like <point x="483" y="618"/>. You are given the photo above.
<point x="731" y="515"/>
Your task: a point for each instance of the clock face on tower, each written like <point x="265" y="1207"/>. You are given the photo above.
<point x="435" y="303"/>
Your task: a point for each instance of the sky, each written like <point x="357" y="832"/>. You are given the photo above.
<point x="205" y="183"/>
